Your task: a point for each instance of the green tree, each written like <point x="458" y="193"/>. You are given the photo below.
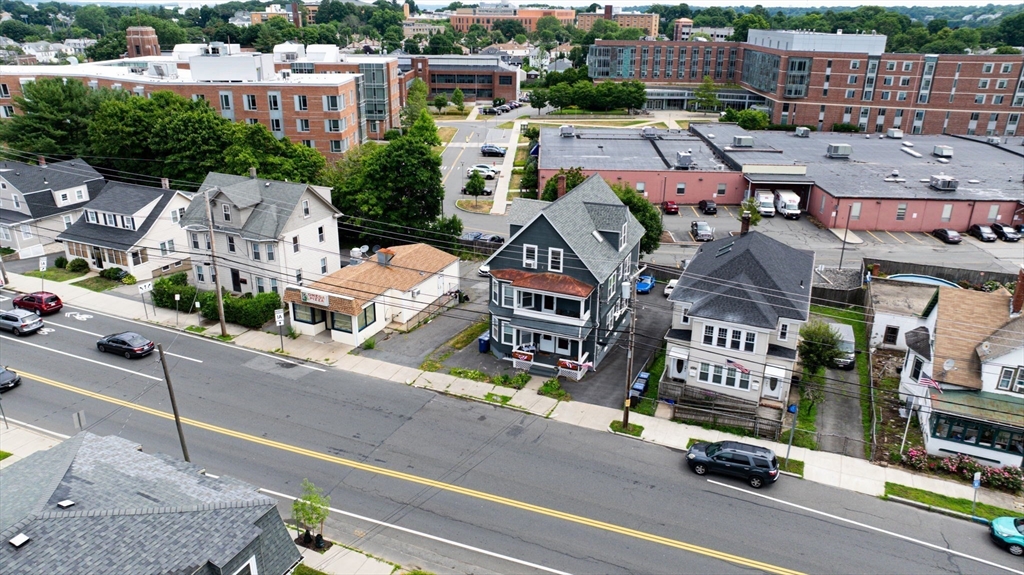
<point x="573" y="178"/>
<point x="267" y="38"/>
<point x="440" y="102"/>
<point x="475" y="186"/>
<point x="509" y="28"/>
<point x="705" y="97"/>
<point x="415" y="102"/>
<point x="425" y="130"/>
<point x="459" y="99"/>
<point x="645" y="212"/>
<point x="632" y="95"/>
<point x="253" y="146"/>
<point x="539" y="99"/>
<point x="94" y="19"/>
<point x="312" y="508"/>
<point x="818" y="349"/>
<point x="749" y="21"/>
<point x="1007" y="50"/>
<point x="752" y="119"/>
<point x="384" y="19"/>
<point x="1012" y="29"/>
<point x="16" y="30"/>
<point x="560" y="96"/>
<point x="549" y="24"/>
<point x="750" y="205"/>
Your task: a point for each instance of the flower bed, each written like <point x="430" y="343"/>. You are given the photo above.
<point x="1009" y="478"/>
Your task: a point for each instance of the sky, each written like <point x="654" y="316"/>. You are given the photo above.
<point x="429" y="5"/>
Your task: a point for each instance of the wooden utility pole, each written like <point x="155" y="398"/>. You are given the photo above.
<point x="174" y="404"/>
<point x="213" y="262"/>
<point x="631" y="290"/>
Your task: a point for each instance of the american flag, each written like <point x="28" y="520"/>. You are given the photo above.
<point x="929" y="382"/>
<point x="737" y="365"/>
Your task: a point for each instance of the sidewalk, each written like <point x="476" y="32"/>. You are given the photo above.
<point x="826" y="468"/>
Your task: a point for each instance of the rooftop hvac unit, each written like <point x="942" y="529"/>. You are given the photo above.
<point x="994" y="140"/>
<point x="567" y="131"/>
<point x="839" y="151"/>
<point x="743" y="141"/>
<point x="649" y="132"/>
<point x="943" y="183"/>
<point x="683" y="160"/>
<point x="894" y="133"/>
<point x="943" y="151"/>
<point x="803" y="132"/>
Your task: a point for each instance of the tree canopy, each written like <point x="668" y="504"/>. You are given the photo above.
<point x="645" y="212"/>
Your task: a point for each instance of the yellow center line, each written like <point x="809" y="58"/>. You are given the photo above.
<point x="452" y="171"/>
<point x="554" y="513"/>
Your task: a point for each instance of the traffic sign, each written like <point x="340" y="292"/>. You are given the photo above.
<point x="279" y="316"/>
<point x="42" y="264"/>
<point x="145" y="287"/>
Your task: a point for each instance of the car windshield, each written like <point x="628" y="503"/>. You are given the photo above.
<point x="953" y="234"/>
<point x="791" y="206"/>
<point x="985" y="229"/>
<point x="703" y="227"/>
<point x="846" y="347"/>
<point x="713" y="449"/>
<point x="1019" y="524"/>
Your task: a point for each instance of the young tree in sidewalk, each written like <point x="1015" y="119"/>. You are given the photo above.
<point x="312" y="508"/>
<point x="459" y="100"/>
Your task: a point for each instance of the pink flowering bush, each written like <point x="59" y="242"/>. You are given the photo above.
<point x="1009" y="478"/>
<point x="916" y="458"/>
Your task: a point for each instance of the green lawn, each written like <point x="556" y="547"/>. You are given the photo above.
<point x="579" y="112"/>
<point x="634" y="429"/>
<point x="301" y="569"/>
<point x="806" y="427"/>
<point x="97" y="284"/>
<point x="952" y="503"/>
<point x="4" y="455"/>
<point x="469" y="334"/>
<point x="649" y="402"/>
<point x="55" y="274"/>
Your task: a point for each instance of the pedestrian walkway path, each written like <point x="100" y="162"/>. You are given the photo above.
<point x="826" y="468"/>
<point x="505" y="176"/>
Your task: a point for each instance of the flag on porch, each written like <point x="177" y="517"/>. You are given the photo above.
<point x="929" y="382"/>
<point x="737" y="365"/>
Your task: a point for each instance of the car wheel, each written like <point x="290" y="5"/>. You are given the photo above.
<point x="700" y="469"/>
<point x="16" y="331"/>
<point x="756" y="482"/>
<point x="127" y="355"/>
<point x="1016" y="550"/>
<point x="101" y="348"/>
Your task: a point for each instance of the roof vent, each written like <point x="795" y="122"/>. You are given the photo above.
<point x="942" y="160"/>
<point x="266" y="185"/>
<point x="65" y="504"/>
<point x="566" y="131"/>
<point x="895" y="173"/>
<point x="683" y="160"/>
<point x="839" y="151"/>
<point x="597" y="236"/>
<point x="894" y="133"/>
<point x="19" y="540"/>
<point x="911" y="152"/>
<point x="743" y="141"/>
<point x="942" y="151"/>
<point x="649" y="132"/>
<point x="802" y="132"/>
<point x="995" y="140"/>
<point x="908" y="144"/>
<point x="943" y="183"/>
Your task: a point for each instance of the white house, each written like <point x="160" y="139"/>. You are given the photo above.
<point x="896" y="307"/>
<point x="131" y="227"/>
<point x="268" y="233"/>
<point x="400" y="287"/>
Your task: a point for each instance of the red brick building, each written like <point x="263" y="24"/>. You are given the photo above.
<point x="481" y="78"/>
<point x="486" y="16"/>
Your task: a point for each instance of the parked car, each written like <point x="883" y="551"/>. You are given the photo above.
<point x="471" y="236"/>
<point x="1005" y="232"/>
<point x="757" y="465"/>
<point x="9" y="379"/>
<point x="484" y="271"/>
<point x="487" y="191"/>
<point x="644" y="284"/>
<point x="947" y="235"/>
<point x="489" y="111"/>
<point x="513" y="104"/>
<point x="128" y="344"/>
<point x="488" y="172"/>
<point x="671" y="286"/>
<point x="670" y="207"/>
<point x="707" y="207"/>
<point x="983" y="233"/>
<point x="20" y="321"/>
<point x="702" y="232"/>
<point x="1008" y="533"/>
<point x="504" y="108"/>
<point x="492" y="150"/>
<point x="492" y="238"/>
<point x="41" y="302"/>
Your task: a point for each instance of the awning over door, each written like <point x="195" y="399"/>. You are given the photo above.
<point x="676" y="352"/>
<point x="774" y="371"/>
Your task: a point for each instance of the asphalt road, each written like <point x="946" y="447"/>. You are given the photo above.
<point x="561" y="497"/>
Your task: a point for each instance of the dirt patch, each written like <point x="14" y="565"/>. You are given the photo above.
<point x="891" y="425"/>
<point x="666" y="238"/>
<point x="300" y="541"/>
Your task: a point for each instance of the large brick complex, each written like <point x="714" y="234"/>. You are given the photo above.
<point x="487" y="14"/>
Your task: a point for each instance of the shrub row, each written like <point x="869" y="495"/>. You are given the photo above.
<point x="1008" y="478"/>
<point x="247" y="311"/>
<point x="78" y="265"/>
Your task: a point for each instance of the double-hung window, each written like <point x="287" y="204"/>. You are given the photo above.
<point x="507" y="296"/>
<point x="530" y="256"/>
<point x="255" y="251"/>
<point x="554" y="260"/>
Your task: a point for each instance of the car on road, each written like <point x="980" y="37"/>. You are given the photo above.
<point x="484" y="271"/>
<point x="20" y="321"/>
<point x="701" y="231"/>
<point x="1008" y="533"/>
<point x="128" y="344"/>
<point x="947" y="235"/>
<point x="487" y="191"/>
<point x="492" y="238"/>
<point x="983" y="233"/>
<point x="670" y="286"/>
<point x="707" y="207"/>
<point x="492" y="150"/>
<point x="489" y="111"/>
<point x="756" y="465"/>
<point x="41" y="302"/>
<point x="471" y="236"/>
<point x="1005" y="232"/>
<point x="513" y="104"/>
<point x="488" y="172"/>
<point x="644" y="284"/>
<point x="670" y="207"/>
<point x="9" y="379"/>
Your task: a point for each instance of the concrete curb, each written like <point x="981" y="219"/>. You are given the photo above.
<point x="934" y="509"/>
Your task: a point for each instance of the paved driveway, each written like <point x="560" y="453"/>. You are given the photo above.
<point x="840" y="428"/>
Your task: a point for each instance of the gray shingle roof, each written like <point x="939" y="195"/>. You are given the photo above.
<point x="919" y="341"/>
<point x="524" y="210"/>
<point x="749" y="280"/>
<point x="118" y="197"/>
<point x="133" y="512"/>
<point x="1005" y="339"/>
<point x="272" y="203"/>
<point x="56" y="176"/>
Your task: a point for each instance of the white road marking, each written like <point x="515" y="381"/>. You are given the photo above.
<point x="872" y="528"/>
<point x="100" y="335"/>
<point x="428" y="536"/>
<point x="46" y="331"/>
<point x="4" y="298"/>
<point x="78" y="316"/>
<point x="85" y="359"/>
<point x="183" y="357"/>
<point x="39" y="429"/>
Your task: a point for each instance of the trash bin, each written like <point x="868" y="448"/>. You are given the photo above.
<point x="484" y="343"/>
<point x="634" y="398"/>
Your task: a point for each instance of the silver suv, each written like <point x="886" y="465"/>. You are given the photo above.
<point x="20" y="321"/>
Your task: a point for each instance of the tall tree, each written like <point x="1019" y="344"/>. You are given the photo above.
<point x="706" y="95"/>
<point x="475" y="186"/>
<point x="818" y="349"/>
<point x="539" y="99"/>
<point x="747" y="22"/>
<point x="425" y="130"/>
<point x="440" y="102"/>
<point x="415" y="102"/>
<point x="645" y="212"/>
<point x="509" y="28"/>
<point x="459" y="99"/>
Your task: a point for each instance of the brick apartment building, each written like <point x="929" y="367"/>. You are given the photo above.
<point x="487" y="14"/>
<point x="818" y="80"/>
<point x="646" y="22"/>
<point x="322" y="111"/>
<point x="481" y="78"/>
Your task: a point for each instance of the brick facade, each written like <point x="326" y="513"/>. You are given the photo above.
<point x="466" y="17"/>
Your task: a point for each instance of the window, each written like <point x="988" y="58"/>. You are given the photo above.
<point x="901" y="96"/>
<point x="302" y="125"/>
<point x="507" y="296"/>
<point x="270" y="252"/>
<point x="908" y="66"/>
<point x="275" y="125"/>
<point x="734" y="343"/>
<point x="887" y="81"/>
<point x="892" y="334"/>
<point x="986" y="69"/>
<point x="983" y="84"/>
<point x="227" y="213"/>
<point x="255" y="251"/>
<point x="301" y="105"/>
<point x="507" y="335"/>
<point x="307" y="143"/>
<point x="622" y="237"/>
<point x="5" y="92"/>
<point x="554" y="260"/>
<point x="904" y="80"/>
<point x="67" y="221"/>
<point x="979" y="98"/>
<point x="63" y="198"/>
<point x="250" y="102"/>
<point x="5" y="233"/>
<point x="305" y="208"/>
<point x="997" y="99"/>
<point x="341" y="322"/>
<point x="273" y="102"/>
<point x="1006" y="69"/>
<point x="890" y="66"/>
<point x="333" y="126"/>
<point x="530" y="256"/>
<point x="320" y="234"/>
<point x="852" y="79"/>
<point x="79" y="195"/>
<point x="17" y="202"/>
<point x="855" y="211"/>
<point x="495" y="290"/>
<point x="680" y="188"/>
<point x="993" y="213"/>
<point x="901" y="212"/>
<point x="368" y="316"/>
<point x="195" y="241"/>
<point x="331" y="103"/>
<point x="721" y="190"/>
<point x="298" y="276"/>
<point x="109" y="220"/>
<point x="295" y="244"/>
<point x="231" y="244"/>
<point x="225" y="101"/>
<point x="273" y="285"/>
<point x="851" y="93"/>
<point x="336" y="146"/>
<point x="915" y="373"/>
<point x="723" y="335"/>
<point x="855" y="64"/>
<point x="750" y="342"/>
<point x="199" y="274"/>
<point x="685" y="319"/>
<point x="783" y="332"/>
<point x="885" y="95"/>
<point x="207" y="236"/>
<point x="166" y="247"/>
<point x="323" y="265"/>
<point x="252" y="121"/>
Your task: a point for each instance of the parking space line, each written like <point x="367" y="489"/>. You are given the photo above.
<point x="727" y="210"/>
<point x="913" y="237"/>
<point x="895" y="238"/>
<point x="877" y="239"/>
<point x="695" y="212"/>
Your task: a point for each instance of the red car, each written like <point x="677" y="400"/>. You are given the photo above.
<point x="670" y="207"/>
<point x="41" y="302"/>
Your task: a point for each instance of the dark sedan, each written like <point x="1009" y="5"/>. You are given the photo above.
<point x="492" y="150"/>
<point x="9" y="379"/>
<point x="1006" y="232"/>
<point x="983" y="233"/>
<point x="128" y="344"/>
<point x="707" y="207"/>
<point x="947" y="235"/>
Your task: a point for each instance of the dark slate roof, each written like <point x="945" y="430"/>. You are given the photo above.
<point x="679" y="334"/>
<point x="12" y="217"/>
<point x="133" y="512"/>
<point x="576" y="215"/>
<point x="750" y="279"/>
<point x="122" y="198"/>
<point x="28" y="178"/>
<point x="919" y="341"/>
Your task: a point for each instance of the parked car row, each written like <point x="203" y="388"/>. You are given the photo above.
<point x="502" y="109"/>
<point x="488" y="172"/>
<point x="985" y="233"/>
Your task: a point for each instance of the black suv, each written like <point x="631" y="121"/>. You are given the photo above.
<point x="757" y="465"/>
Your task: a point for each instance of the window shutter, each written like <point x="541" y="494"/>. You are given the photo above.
<point x="325" y="102"/>
<point x="296" y="99"/>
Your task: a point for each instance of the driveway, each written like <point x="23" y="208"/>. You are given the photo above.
<point x="840" y="428"/>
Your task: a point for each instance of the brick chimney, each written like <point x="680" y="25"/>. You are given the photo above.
<point x="1018" y="293"/>
<point x="876" y="270"/>
<point x="561" y="185"/>
<point x="42" y="161"/>
<point x="165" y="183"/>
<point x="745" y="223"/>
<point x="252" y="172"/>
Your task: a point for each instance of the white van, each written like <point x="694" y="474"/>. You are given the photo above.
<point x="847" y="344"/>
<point x="766" y="203"/>
<point x="787" y="203"/>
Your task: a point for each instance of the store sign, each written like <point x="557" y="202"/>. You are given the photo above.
<point x="314" y="298"/>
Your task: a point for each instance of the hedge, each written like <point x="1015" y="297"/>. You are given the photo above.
<point x="840" y="127"/>
<point x="248" y="311"/>
<point x="165" y="288"/>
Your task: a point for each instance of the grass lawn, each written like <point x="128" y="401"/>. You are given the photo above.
<point x="55" y="274"/>
<point x="649" y="402"/>
<point x="515" y="180"/>
<point x="553" y="389"/>
<point x="446" y="134"/>
<point x="475" y="206"/>
<point x="634" y="429"/>
<point x="792" y="466"/>
<point x="506" y="125"/>
<point x="469" y="335"/>
<point x="952" y="503"/>
<point x="301" y="569"/>
<point x="855" y="319"/>
<point x="97" y="284"/>
<point x="4" y="455"/>
<point x="195" y="329"/>
<point x="6" y="251"/>
<point x="521" y="155"/>
<point x="806" y="427"/>
<point x="450" y="113"/>
<point x="495" y="398"/>
<point x="579" y="112"/>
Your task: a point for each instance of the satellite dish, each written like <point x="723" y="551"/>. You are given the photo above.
<point x="376" y="248"/>
<point x="364" y="249"/>
<point x="948" y="364"/>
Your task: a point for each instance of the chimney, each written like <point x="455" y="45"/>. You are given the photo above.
<point x="252" y="172"/>
<point x="607" y="11"/>
<point x="745" y="223"/>
<point x="1018" y="293"/>
<point x="42" y="161"/>
<point x="384" y="256"/>
<point x="165" y="183"/>
<point x="561" y="185"/>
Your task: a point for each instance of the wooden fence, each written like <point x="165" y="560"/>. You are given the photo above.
<point x="702" y="406"/>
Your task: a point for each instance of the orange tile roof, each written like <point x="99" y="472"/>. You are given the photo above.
<point x="964" y="319"/>
<point x="549" y="282"/>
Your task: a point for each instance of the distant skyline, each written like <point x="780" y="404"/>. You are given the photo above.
<point x="627" y="3"/>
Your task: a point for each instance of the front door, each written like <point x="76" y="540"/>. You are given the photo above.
<point x="547" y="343"/>
<point x="97" y="257"/>
<point x="236" y="281"/>
<point x="772" y="386"/>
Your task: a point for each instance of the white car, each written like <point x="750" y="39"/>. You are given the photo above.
<point x="671" y="285"/>
<point x="488" y="172"/>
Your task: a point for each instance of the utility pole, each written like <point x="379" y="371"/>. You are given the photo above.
<point x="174" y="404"/>
<point x="213" y="262"/>
<point x="845" y="233"/>
<point x="3" y="272"/>
<point x="629" y="292"/>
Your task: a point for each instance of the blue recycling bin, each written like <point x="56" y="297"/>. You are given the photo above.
<point x="484" y="343"/>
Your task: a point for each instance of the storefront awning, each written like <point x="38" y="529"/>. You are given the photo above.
<point x="675" y="352"/>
